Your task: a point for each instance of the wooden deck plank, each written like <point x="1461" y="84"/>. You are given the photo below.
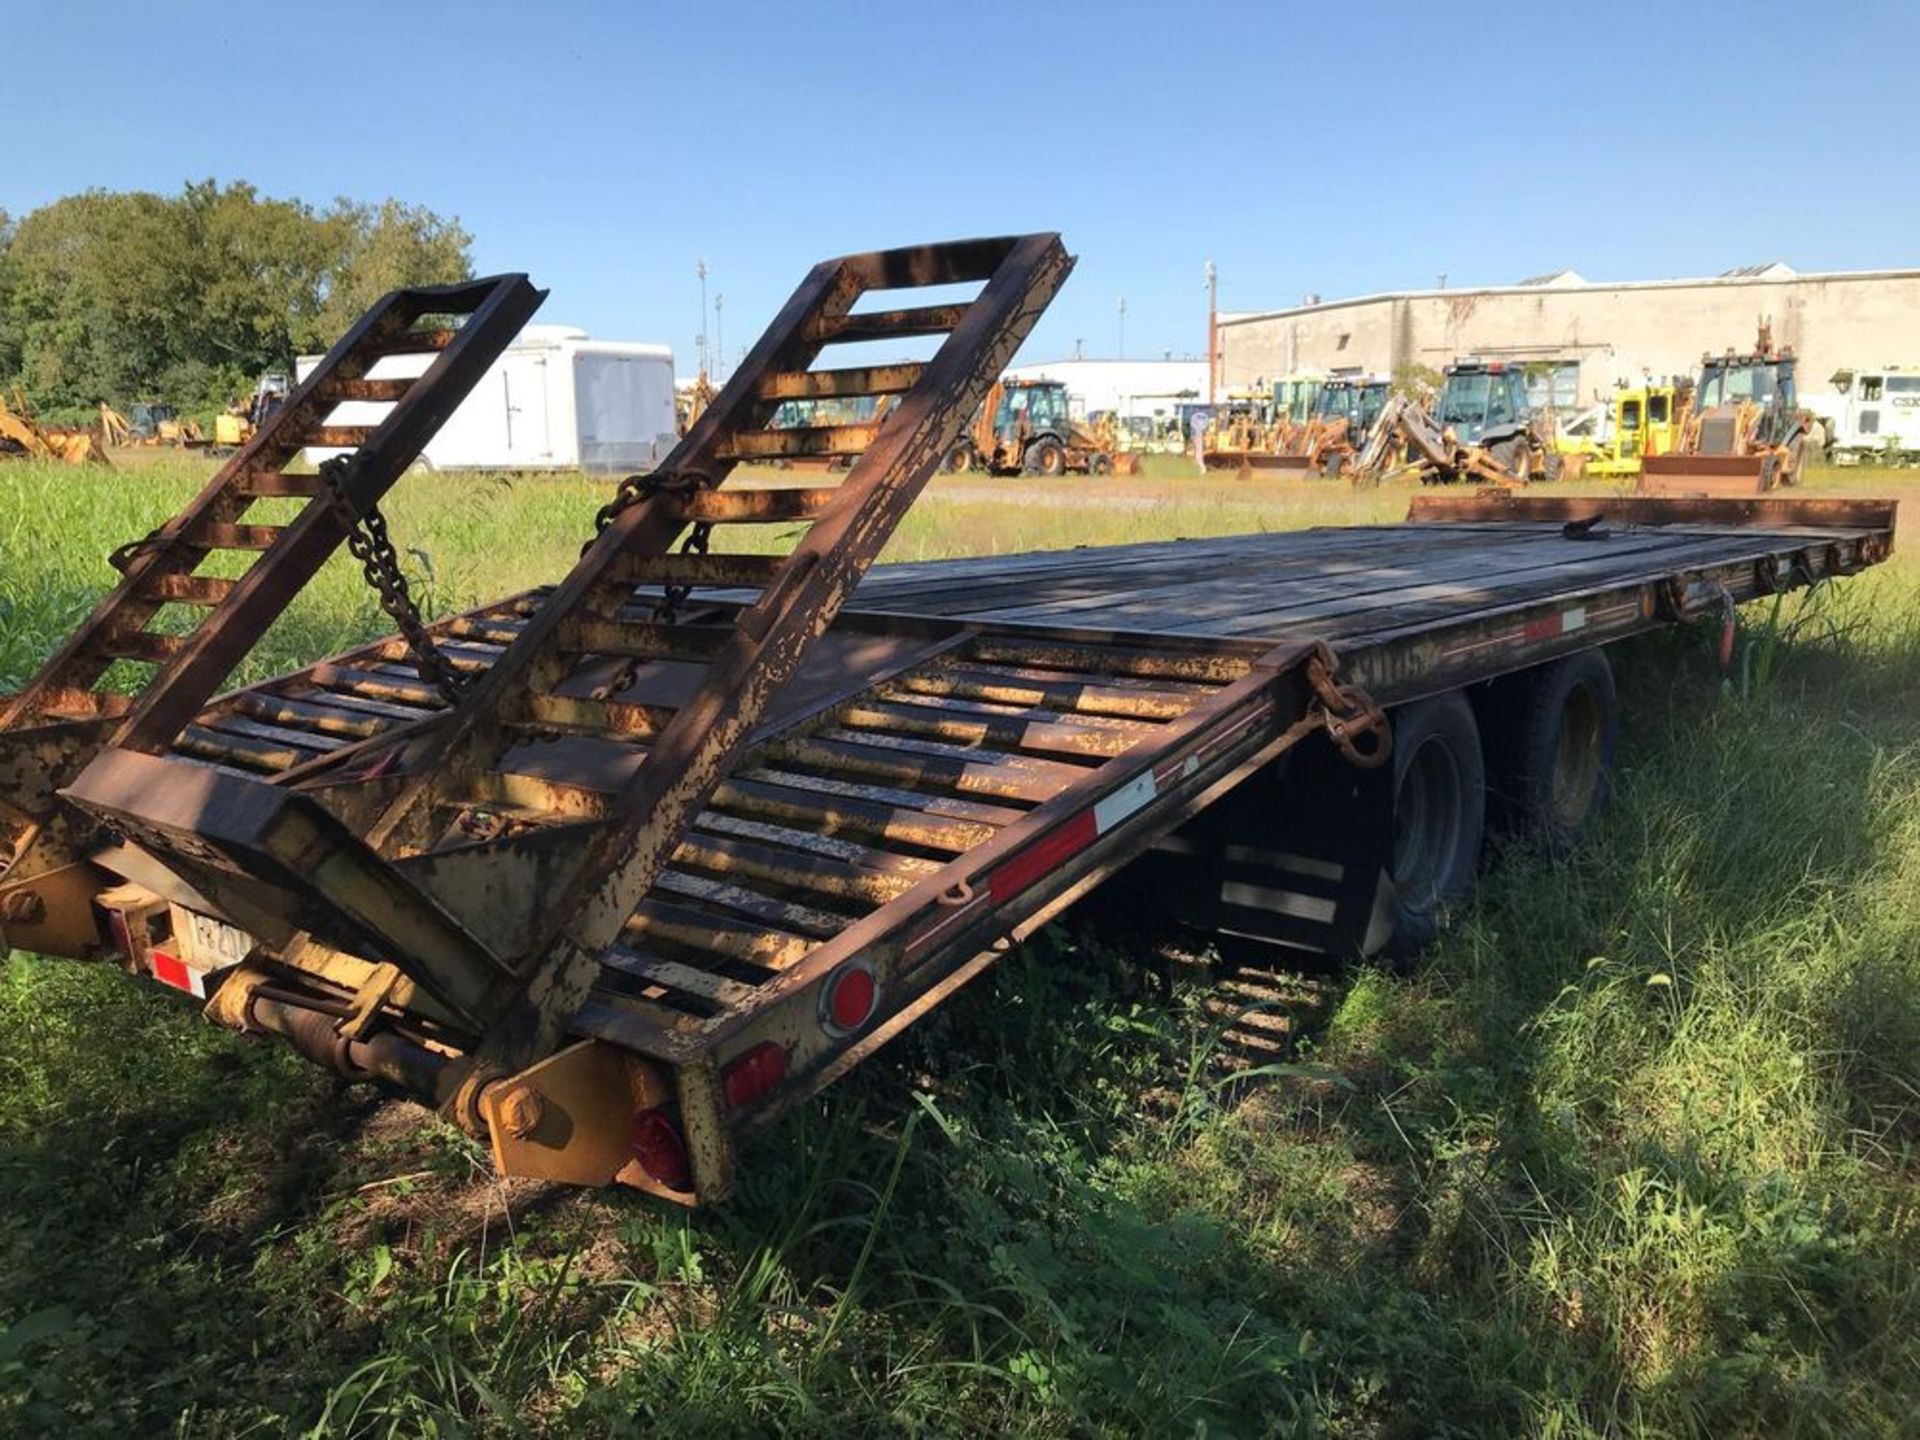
<point x="1214" y="595"/>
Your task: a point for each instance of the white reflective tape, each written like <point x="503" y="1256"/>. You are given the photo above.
<point x="1123" y="802"/>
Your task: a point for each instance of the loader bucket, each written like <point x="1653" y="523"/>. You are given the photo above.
<point x="1707" y="474"/>
<point x="1241" y="462"/>
<point x="1288" y="464"/>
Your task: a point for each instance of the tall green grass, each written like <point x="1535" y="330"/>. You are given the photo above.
<point x="1632" y="1152"/>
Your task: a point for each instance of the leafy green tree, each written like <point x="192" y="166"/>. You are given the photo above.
<point x="380" y="248"/>
<point x="186" y="298"/>
<point x="9" y="334"/>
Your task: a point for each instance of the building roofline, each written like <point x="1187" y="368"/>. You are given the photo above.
<point x="1114" y="360"/>
<point x="1241" y="317"/>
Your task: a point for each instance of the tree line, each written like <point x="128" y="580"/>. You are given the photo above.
<point x="125" y="296"/>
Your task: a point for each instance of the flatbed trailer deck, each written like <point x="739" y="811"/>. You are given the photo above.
<point x="407" y="878"/>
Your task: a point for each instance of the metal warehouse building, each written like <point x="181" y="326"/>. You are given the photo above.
<point x="1583" y="336"/>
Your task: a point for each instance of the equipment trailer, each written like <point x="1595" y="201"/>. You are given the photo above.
<point x="619" y="868"/>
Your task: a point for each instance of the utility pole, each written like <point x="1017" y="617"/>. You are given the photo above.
<point x="700" y="269"/>
<point x="1213" y="331"/>
<point x="719" y="340"/>
<point x="1123" y="327"/>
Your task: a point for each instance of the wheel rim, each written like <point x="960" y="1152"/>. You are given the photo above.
<point x="1426" y="841"/>
<point x="1049" y="461"/>
<point x="1579" y="757"/>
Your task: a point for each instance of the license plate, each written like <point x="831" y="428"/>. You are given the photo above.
<point x="206" y="943"/>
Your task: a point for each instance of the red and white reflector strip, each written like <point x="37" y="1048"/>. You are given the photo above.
<point x="171" y="971"/>
<point x="1560" y="622"/>
<point x="1050" y="851"/>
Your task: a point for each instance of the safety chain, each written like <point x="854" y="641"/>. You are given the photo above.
<point x="369" y="543"/>
<point x="674" y="596"/>
<point x="637" y="490"/>
<point x="1354" y="723"/>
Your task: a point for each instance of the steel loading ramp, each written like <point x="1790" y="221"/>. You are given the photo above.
<point x="197" y="594"/>
<point x="254" y="845"/>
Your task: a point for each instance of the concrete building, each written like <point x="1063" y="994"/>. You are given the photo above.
<point x="1132" y="389"/>
<point x="1583" y="337"/>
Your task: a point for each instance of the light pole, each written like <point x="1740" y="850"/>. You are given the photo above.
<point x="1213" y="330"/>
<point x="1123" y="328"/>
<point x="700" y="269"/>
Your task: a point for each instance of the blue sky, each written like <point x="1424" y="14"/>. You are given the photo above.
<point x="1335" y="148"/>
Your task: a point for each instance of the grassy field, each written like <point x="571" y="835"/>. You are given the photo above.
<point x="1631" y="1152"/>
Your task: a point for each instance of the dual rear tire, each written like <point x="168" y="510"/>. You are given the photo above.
<point x="1534" y="760"/>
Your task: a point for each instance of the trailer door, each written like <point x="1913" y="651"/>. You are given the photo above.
<point x="623" y="406"/>
<point x="529" y="420"/>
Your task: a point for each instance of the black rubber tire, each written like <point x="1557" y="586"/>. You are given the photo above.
<point x="1439" y="820"/>
<point x="1517" y="456"/>
<point x="1550" y="754"/>
<point x="960" y="459"/>
<point x="1100" y="463"/>
<point x="1046" y="456"/>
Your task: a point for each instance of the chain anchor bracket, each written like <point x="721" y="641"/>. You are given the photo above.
<point x="1353" y="721"/>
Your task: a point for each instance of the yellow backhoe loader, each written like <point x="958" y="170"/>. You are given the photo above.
<point x="22" y="439"/>
<point x="1745" y="432"/>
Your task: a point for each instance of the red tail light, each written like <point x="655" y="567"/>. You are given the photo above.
<point x="661" y="1149"/>
<point x="850" y="997"/>
<point x="755" y="1073"/>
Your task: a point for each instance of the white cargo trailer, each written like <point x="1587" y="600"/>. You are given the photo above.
<point x="554" y="400"/>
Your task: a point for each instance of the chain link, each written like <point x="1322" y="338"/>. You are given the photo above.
<point x="369" y="543"/>
<point x="123" y="559"/>
<point x="637" y="490"/>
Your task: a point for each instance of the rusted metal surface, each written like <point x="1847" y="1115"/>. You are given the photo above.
<point x="747" y="660"/>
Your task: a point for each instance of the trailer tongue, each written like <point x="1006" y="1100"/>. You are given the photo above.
<point x="618" y="868"/>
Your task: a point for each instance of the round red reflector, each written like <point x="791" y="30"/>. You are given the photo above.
<point x="850" y="998"/>
<point x="661" y="1151"/>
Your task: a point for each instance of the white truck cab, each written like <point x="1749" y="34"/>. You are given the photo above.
<point x="1872" y="415"/>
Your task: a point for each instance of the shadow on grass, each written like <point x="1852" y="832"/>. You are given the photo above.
<point x="1624" y="1154"/>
